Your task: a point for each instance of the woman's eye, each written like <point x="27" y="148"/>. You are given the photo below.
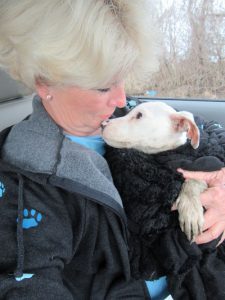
<point x="104" y="90"/>
<point x="139" y="115"/>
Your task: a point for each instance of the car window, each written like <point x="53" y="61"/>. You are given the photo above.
<point x="193" y="42"/>
<point x="10" y="89"/>
<point x="192" y="64"/>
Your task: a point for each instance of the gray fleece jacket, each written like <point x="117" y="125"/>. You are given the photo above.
<point x="63" y="229"/>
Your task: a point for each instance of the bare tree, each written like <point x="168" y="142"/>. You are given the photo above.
<point x="193" y="63"/>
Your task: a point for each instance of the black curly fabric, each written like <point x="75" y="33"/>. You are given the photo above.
<point x="149" y="185"/>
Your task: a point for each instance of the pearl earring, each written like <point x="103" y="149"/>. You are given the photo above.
<point x="49" y="97"/>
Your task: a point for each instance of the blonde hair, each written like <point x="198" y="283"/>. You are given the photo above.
<point x="86" y="43"/>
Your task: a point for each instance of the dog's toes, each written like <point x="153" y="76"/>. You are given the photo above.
<point x="192" y="227"/>
<point x="182" y="226"/>
<point x="192" y="221"/>
<point x="186" y="227"/>
<point x="200" y="228"/>
<point x="194" y="232"/>
<point x="191" y="231"/>
<point x="188" y="231"/>
<point x="191" y="214"/>
<point x="197" y="228"/>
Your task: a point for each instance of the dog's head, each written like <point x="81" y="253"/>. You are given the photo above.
<point x="151" y="127"/>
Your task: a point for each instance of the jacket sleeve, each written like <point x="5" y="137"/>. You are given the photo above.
<point x="36" y="238"/>
<point x="100" y="268"/>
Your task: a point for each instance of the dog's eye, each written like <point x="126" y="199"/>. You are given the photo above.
<point x="139" y="115"/>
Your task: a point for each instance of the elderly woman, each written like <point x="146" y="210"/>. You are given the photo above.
<point x="63" y="231"/>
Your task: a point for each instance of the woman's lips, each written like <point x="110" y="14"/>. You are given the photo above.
<point x="105" y="117"/>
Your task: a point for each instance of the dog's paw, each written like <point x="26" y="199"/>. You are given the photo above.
<point x="191" y="218"/>
<point x="191" y="212"/>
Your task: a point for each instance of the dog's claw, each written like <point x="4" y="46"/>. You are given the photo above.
<point x="191" y="226"/>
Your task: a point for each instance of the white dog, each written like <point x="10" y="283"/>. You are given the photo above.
<point x="154" y="127"/>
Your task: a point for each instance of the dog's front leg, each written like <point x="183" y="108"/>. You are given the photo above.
<point x="191" y="212"/>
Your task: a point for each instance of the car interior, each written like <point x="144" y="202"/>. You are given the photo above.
<point x="16" y="100"/>
<point x="16" y="104"/>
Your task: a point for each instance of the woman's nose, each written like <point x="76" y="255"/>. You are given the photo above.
<point x="118" y="98"/>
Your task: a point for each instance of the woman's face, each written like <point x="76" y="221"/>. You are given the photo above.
<point x="80" y="112"/>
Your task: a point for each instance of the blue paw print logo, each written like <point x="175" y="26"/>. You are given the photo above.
<point x="2" y="189"/>
<point x="32" y="218"/>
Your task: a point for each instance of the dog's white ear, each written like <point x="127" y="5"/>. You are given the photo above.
<point x="184" y="121"/>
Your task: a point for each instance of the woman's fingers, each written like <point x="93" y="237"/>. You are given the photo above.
<point x="210" y="219"/>
<point x="212" y="178"/>
<point x="211" y="234"/>
<point x="213" y="200"/>
<point x="214" y="197"/>
<point x="195" y="174"/>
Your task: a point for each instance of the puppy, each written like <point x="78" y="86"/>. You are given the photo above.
<point x="146" y="148"/>
<point x="154" y="127"/>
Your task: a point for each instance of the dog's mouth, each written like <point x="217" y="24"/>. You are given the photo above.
<point x="104" y="124"/>
<point x="115" y="143"/>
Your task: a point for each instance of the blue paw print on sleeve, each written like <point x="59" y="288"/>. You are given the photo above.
<point x="24" y="276"/>
<point x="32" y="218"/>
<point x="2" y="189"/>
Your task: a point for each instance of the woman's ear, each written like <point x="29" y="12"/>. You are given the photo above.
<point x="42" y="89"/>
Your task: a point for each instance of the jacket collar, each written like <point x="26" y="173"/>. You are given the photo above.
<point x="37" y="145"/>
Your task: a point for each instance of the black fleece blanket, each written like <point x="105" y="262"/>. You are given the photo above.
<point x="149" y="185"/>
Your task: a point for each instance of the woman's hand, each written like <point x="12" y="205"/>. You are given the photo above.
<point x="213" y="200"/>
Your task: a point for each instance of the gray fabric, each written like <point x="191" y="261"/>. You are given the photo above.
<point x="38" y="145"/>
